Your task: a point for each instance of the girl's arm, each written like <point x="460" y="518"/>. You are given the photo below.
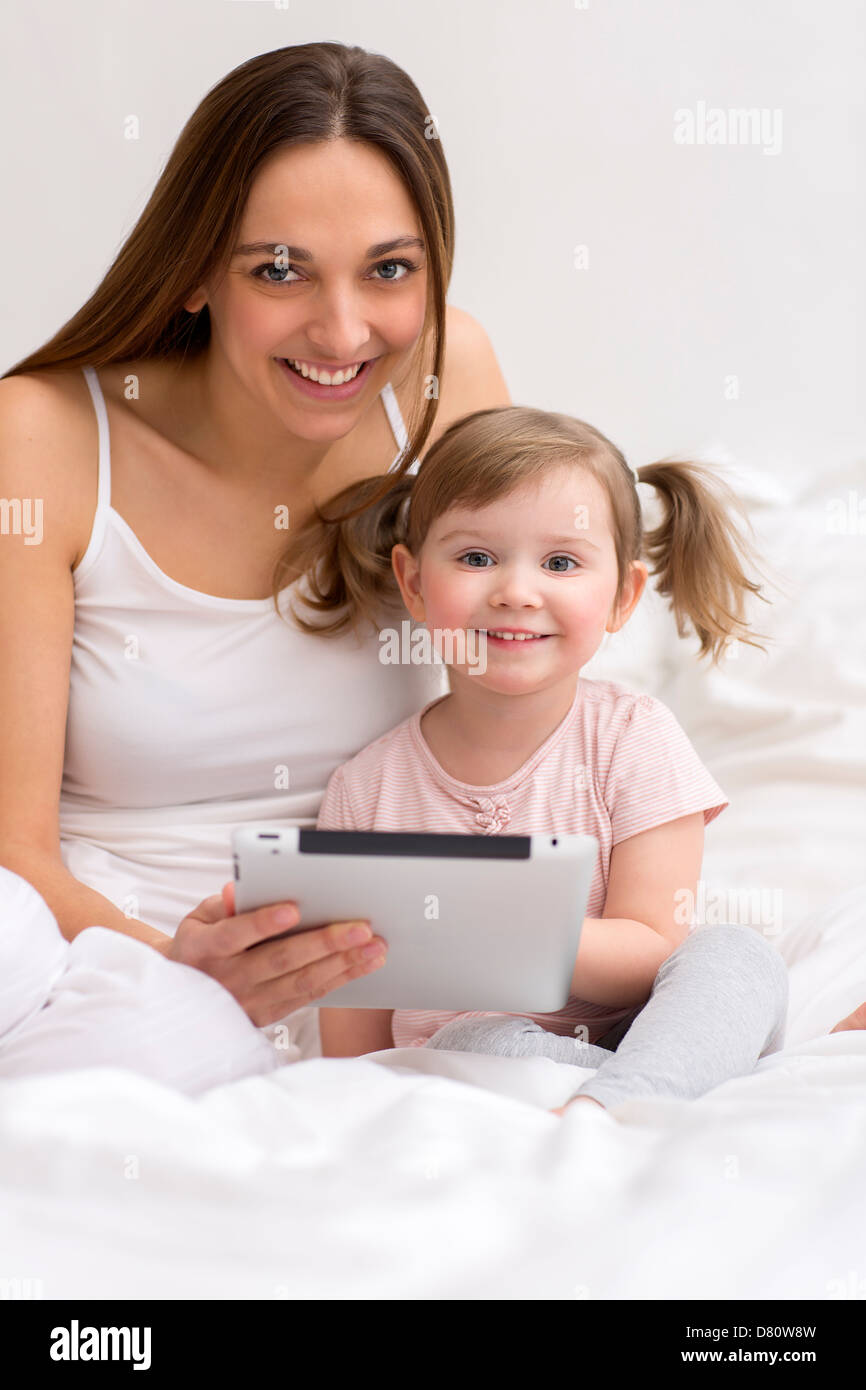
<point x="352" y="1032"/>
<point x="651" y="876"/>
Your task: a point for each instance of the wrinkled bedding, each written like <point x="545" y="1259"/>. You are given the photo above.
<point x="415" y="1174"/>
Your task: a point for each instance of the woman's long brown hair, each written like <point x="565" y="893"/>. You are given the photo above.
<point x="185" y="235"/>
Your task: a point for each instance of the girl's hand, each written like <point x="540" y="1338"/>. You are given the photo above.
<point x="268" y="978"/>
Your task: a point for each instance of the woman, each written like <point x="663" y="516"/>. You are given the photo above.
<point x="304" y="216"/>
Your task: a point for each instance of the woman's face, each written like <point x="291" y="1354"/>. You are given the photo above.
<point x="316" y="276"/>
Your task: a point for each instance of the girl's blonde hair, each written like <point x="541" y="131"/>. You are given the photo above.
<point x="695" y="552"/>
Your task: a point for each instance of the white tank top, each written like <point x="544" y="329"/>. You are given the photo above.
<point x="190" y="714"/>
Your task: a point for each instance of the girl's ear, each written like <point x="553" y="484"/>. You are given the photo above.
<point x="632" y="589"/>
<point x="408" y="574"/>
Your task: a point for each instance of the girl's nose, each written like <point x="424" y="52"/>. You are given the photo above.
<point x="514" y="587"/>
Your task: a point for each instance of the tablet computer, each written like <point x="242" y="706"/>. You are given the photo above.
<point x="487" y="922"/>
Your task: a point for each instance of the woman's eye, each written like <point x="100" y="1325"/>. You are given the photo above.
<point x="558" y="563"/>
<point x="404" y="265"/>
<point x="473" y="556"/>
<point x="282" y="271"/>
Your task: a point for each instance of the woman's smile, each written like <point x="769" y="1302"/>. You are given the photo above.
<point x="319" y="383"/>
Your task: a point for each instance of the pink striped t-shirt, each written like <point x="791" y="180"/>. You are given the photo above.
<point x="617" y="764"/>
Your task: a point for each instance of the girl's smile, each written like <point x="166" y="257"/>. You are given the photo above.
<point x="537" y="590"/>
<point x="513" y="636"/>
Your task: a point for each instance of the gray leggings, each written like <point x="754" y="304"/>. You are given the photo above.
<point x="719" y="1002"/>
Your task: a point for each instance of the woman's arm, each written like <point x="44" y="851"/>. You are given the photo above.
<point x="42" y="478"/>
<point x="74" y="905"/>
<point x="42" y="446"/>
<point x="621" y="952"/>
<point x="352" y="1032"/>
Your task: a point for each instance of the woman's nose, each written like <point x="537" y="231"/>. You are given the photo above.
<point x="336" y="326"/>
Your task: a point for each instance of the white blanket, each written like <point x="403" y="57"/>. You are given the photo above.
<point x="415" y="1174"/>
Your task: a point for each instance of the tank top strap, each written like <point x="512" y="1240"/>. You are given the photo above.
<point x="103" y="465"/>
<point x="398" y="428"/>
<point x="103" y="495"/>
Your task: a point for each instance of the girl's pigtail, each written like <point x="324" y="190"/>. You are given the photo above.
<point x="696" y="554"/>
<point x="346" y="559"/>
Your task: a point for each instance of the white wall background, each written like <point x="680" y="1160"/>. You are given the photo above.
<point x="705" y="262"/>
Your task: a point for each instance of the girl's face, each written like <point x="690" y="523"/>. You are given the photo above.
<point x="541" y="561"/>
<point x="328" y="271"/>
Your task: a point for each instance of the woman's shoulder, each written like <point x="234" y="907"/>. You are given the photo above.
<point x="60" y="395"/>
<point x="471" y="378"/>
<point x="49" y="432"/>
<point x="50" y="398"/>
<point x="49" y="448"/>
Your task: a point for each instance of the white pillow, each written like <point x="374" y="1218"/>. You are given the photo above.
<point x="784" y="732"/>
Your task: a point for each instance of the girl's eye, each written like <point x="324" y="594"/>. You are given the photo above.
<point x="472" y="556"/>
<point x="282" y="272"/>
<point x="558" y="563"/>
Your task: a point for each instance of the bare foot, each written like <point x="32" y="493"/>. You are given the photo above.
<point x="562" y="1108"/>
<point x="855" y="1020"/>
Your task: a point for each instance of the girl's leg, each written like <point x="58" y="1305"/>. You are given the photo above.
<point x="506" y="1036"/>
<point x="718" y="1003"/>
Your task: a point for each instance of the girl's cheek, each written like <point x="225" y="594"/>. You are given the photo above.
<point x="445" y="597"/>
<point x="590" y="601"/>
<point x="584" y="621"/>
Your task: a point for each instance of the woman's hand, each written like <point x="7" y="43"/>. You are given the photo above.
<point x="270" y="979"/>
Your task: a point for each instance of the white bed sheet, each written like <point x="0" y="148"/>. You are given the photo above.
<point x="440" y="1175"/>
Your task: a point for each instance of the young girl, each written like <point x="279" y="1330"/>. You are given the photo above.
<point x="522" y="532"/>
